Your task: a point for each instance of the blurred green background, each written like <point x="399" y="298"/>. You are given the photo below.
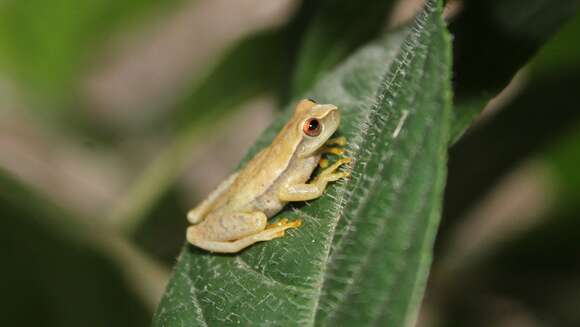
<point x="118" y="116"/>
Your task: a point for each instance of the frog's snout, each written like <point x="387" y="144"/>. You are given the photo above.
<point x="333" y="115"/>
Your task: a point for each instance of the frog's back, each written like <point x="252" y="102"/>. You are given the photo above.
<point x="256" y="179"/>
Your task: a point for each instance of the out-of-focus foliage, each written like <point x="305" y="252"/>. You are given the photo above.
<point x="46" y="47"/>
<point x="47" y="44"/>
<point x="477" y="30"/>
<point x="530" y="276"/>
<point x="51" y="275"/>
<point x="493" y="40"/>
<point x="332" y="34"/>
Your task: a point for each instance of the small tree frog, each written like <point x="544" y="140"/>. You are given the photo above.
<point x="235" y="215"/>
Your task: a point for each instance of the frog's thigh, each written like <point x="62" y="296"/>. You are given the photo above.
<point x="225" y="228"/>
<point x="235" y="246"/>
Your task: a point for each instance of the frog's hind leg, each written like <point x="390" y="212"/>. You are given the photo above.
<point x="196" y="236"/>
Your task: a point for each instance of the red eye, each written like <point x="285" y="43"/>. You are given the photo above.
<point x="312" y="127"/>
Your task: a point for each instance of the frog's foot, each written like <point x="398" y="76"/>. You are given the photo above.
<point x="333" y="150"/>
<point x="271" y="232"/>
<point x="340" y="141"/>
<point x="336" y="150"/>
<point x="278" y="228"/>
<point x="330" y="174"/>
<point x="284" y="222"/>
<point x="332" y="146"/>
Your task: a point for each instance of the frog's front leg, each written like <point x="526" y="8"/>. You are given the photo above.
<point x="234" y="232"/>
<point x="314" y="189"/>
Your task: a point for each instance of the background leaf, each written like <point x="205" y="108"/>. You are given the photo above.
<point x="492" y="41"/>
<point x="47" y="47"/>
<point x="528" y="275"/>
<point x="333" y="33"/>
<point x="46" y="44"/>
<point x="46" y="262"/>
<point x="396" y="127"/>
<point x="490" y="47"/>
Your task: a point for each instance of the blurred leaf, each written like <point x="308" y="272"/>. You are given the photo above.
<point x="561" y="54"/>
<point x="535" y="271"/>
<point x="534" y="274"/>
<point x="549" y="108"/>
<point x="489" y="48"/>
<point x="563" y="159"/>
<point x="336" y="29"/>
<point x="244" y="71"/>
<point x="46" y="43"/>
<point x="161" y="233"/>
<point x="492" y="41"/>
<point x="50" y="275"/>
<point x="364" y="251"/>
<point x="46" y="46"/>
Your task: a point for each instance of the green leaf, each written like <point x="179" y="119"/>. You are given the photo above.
<point x="487" y="153"/>
<point x="46" y="45"/>
<point x="333" y="34"/>
<point x="248" y="61"/>
<point x="536" y="272"/>
<point x="518" y="131"/>
<point x="492" y="41"/>
<point x="561" y="53"/>
<point x="365" y="249"/>
<point x="51" y="273"/>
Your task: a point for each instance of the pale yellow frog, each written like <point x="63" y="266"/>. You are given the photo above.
<point x="234" y="216"/>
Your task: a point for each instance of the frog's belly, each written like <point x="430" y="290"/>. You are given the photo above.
<point x="297" y="173"/>
<point x="268" y="204"/>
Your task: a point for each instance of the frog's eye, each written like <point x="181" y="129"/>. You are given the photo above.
<point x="312" y="127"/>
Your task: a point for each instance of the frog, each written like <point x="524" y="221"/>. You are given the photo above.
<point x="235" y="215"/>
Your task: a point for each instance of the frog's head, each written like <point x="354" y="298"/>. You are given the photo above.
<point x="315" y="123"/>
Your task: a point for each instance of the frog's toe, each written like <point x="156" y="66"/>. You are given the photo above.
<point x="332" y="168"/>
<point x="340" y="141"/>
<point x="284" y="223"/>
<point x="337" y="176"/>
<point x="333" y="150"/>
